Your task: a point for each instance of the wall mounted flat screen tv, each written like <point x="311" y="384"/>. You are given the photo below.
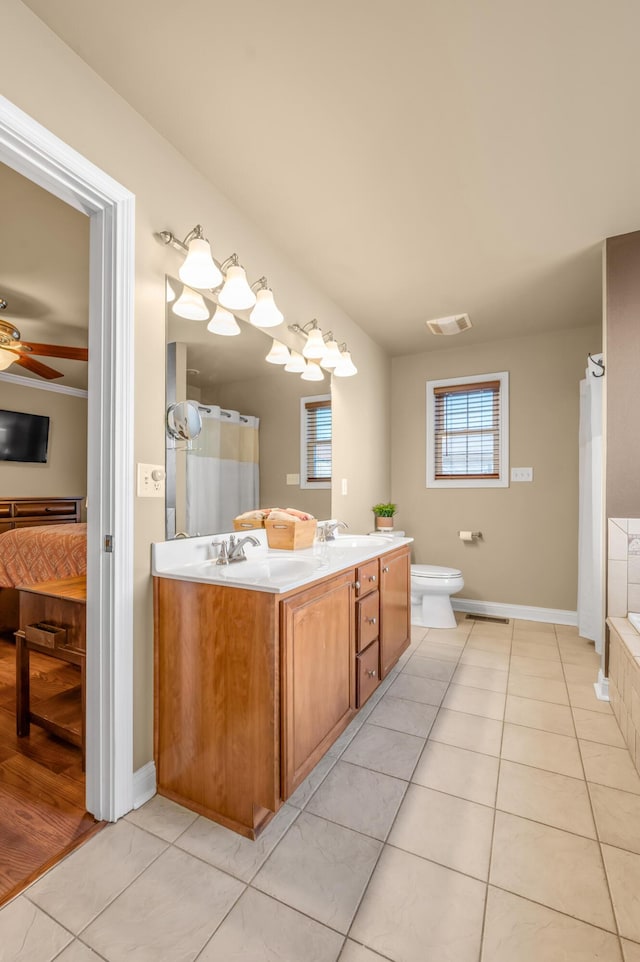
<point x="23" y="437"/>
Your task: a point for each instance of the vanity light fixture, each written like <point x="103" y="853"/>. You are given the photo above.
<point x="346" y="367"/>
<point x="265" y="313"/>
<point x="279" y="353"/>
<point x="236" y="294"/>
<point x="191" y="306"/>
<point x="223" y="322"/>
<point x="296" y="364"/>
<point x="331" y="357"/>
<point x="199" y="268"/>
<point x="314" y="349"/>
<point x="312" y="372"/>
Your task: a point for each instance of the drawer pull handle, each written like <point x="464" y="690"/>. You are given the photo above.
<point x="372" y="621"/>
<point x="372" y="578"/>
<point x="372" y="673"/>
<point x="356" y="585"/>
<point x="385" y="569"/>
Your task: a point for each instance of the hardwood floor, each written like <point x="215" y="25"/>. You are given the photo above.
<point x="42" y="813"/>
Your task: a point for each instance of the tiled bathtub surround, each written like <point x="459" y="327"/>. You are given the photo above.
<point x="624" y="682"/>
<point x="623" y="567"/>
<point x="481" y="808"/>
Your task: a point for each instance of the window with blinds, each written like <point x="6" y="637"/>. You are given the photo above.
<point x="315" y="446"/>
<point x="467" y="434"/>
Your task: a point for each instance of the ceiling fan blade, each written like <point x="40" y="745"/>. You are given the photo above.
<point x="57" y="350"/>
<point x="42" y="370"/>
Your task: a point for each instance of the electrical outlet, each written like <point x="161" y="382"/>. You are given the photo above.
<point x="293" y="479"/>
<point x="151" y="478"/>
<point x="522" y="474"/>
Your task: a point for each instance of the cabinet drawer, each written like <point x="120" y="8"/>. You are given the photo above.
<point x="368" y="620"/>
<point x="368" y="672"/>
<point x="36" y="509"/>
<point x="5" y="510"/>
<point x="367" y="577"/>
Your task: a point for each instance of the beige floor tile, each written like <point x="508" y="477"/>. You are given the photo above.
<point x="354" y="726"/>
<point x="28" y="935"/>
<point x="404" y="716"/>
<point x="485" y="659"/>
<point x="523" y="624"/>
<point x="385" y="750"/>
<point x="631" y="951"/>
<point x="623" y="872"/>
<point x="418" y="633"/>
<point x="554" y="753"/>
<point x="581" y="658"/>
<point x="149" y="922"/>
<point x="320" y="869"/>
<point x="314" y="779"/>
<point x="429" y="668"/>
<point x="606" y="765"/>
<point x="358" y="798"/>
<point x="539" y="714"/>
<point x="517" y="930"/>
<point x="491" y="679"/>
<point x="584" y="696"/>
<point x="229" y="851"/>
<point x="77" y="952"/>
<point x="617" y="816"/>
<point x="598" y="728"/>
<point x="259" y="929"/>
<point x="428" y="691"/>
<point x="547" y="797"/>
<point x="441" y="911"/>
<point x="580" y="675"/>
<point x="445" y="829"/>
<point x="81" y="886"/>
<point x="544" y="647"/>
<point x="501" y="646"/>
<point x="354" y="952"/>
<point x="163" y="818"/>
<point x="458" y="772"/>
<point x="475" y="701"/>
<point x="536" y="667"/>
<point x="542" y="689"/>
<point x="467" y="731"/>
<point x="557" y="869"/>
<point x="449" y="636"/>
<point x="441" y="652"/>
<point x="539" y="638"/>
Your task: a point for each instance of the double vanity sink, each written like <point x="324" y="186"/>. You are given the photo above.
<point x="260" y="664"/>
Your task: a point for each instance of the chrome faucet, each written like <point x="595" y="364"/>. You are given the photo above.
<point x="228" y="552"/>
<point x="327" y="529"/>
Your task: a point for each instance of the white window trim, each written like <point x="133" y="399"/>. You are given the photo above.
<point x="316" y="485"/>
<point x="503" y="480"/>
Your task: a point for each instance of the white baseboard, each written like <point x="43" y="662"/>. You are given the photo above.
<point x="495" y="609"/>
<point x="602" y="687"/>
<point x="144" y="784"/>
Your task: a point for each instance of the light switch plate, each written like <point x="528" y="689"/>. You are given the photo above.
<point x="151" y="479"/>
<point x="345" y="486"/>
<point x="293" y="479"/>
<point x="522" y="474"/>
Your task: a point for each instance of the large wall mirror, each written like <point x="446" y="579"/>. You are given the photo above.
<point x="248" y="452"/>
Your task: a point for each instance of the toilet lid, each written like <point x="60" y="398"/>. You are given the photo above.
<point x="434" y="571"/>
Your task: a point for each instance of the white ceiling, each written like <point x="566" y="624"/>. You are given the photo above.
<point x="416" y="159"/>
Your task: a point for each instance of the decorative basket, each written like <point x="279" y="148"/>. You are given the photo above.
<point x="247" y="524"/>
<point x="290" y="535"/>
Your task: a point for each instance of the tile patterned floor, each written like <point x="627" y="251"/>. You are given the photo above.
<point x="481" y="808"/>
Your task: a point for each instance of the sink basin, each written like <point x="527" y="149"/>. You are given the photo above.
<point x="358" y="541"/>
<point x="273" y="570"/>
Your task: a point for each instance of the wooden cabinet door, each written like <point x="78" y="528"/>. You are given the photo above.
<point x="318" y="677"/>
<point x="395" y="608"/>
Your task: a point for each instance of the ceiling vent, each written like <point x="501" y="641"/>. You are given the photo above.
<point x="455" y="324"/>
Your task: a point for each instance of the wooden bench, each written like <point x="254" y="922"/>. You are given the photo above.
<point x="53" y="622"/>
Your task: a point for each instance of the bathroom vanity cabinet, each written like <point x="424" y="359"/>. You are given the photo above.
<point x="252" y="687"/>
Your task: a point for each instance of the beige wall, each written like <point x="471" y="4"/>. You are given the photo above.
<point x="63" y="94"/>
<point x="528" y="554"/>
<point x="622" y="383"/>
<point x="65" y="473"/>
<point x="275" y="399"/>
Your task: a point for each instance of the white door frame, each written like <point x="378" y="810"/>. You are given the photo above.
<point x="36" y="153"/>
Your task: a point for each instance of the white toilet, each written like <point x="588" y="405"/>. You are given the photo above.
<point x="431" y="590"/>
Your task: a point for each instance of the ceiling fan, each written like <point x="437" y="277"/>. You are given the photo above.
<point x="21" y="352"/>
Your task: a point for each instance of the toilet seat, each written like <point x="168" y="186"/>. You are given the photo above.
<point x="434" y="571"/>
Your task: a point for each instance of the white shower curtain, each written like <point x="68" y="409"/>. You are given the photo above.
<point x="222" y="470"/>
<point x="591" y="510"/>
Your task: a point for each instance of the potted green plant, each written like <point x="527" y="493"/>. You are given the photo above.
<point x="384" y="516"/>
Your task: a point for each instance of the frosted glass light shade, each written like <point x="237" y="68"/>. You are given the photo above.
<point x="199" y="268"/>
<point x="236" y="294"/>
<point x="6" y="359"/>
<point x="223" y="322"/>
<point x="331" y="355"/>
<point x="346" y="367"/>
<point x="315" y="346"/>
<point x="296" y="364"/>
<point x="279" y="353"/>
<point x="312" y="372"/>
<point x="265" y="313"/>
<point x="191" y="305"/>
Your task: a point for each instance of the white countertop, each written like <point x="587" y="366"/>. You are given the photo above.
<point x="266" y="569"/>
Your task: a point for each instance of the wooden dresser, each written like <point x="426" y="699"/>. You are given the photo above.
<point x="25" y="512"/>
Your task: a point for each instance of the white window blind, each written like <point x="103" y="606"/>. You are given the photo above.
<point x="467" y="430"/>
<point x="316" y="441"/>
